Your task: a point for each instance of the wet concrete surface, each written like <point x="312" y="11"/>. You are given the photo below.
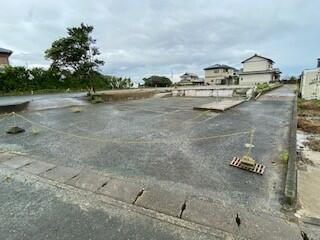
<point x="176" y="160"/>
<point x="30" y="209"/>
<point x="182" y="160"/>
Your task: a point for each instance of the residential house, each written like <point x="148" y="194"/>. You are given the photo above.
<point x="4" y="58"/>
<point x="258" y="69"/>
<point x="220" y="74"/>
<point x="310" y="83"/>
<point x="190" y="79"/>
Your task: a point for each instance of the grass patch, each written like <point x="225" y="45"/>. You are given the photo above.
<point x="284" y="156"/>
<point x="308" y="107"/>
<point x="263" y="87"/>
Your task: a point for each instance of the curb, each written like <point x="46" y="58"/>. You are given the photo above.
<point x="17" y="107"/>
<point x="266" y="91"/>
<point x="311" y="220"/>
<point x="290" y="190"/>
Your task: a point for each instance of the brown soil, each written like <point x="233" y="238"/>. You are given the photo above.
<point x="314" y="144"/>
<point x="311" y="126"/>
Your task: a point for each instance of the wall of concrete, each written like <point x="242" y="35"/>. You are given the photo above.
<point x="18" y="107"/>
<point x="204" y="92"/>
<point x="310" y="84"/>
<point x="253" y="79"/>
<point x="290" y="190"/>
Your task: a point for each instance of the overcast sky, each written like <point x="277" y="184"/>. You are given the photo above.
<point x="138" y="38"/>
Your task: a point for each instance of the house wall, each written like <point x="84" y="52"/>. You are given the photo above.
<point x="253" y="79"/>
<point x="4" y="60"/>
<point x="310" y="84"/>
<point x="257" y="64"/>
<point x="212" y="76"/>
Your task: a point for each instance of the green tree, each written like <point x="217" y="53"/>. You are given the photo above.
<point x="157" y="81"/>
<point x="120" y="83"/>
<point x="77" y="54"/>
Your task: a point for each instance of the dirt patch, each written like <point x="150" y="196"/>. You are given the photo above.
<point x="314" y="144"/>
<point x="308" y="125"/>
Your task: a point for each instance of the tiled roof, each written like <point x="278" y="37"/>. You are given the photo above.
<point x="2" y="50"/>
<point x="218" y="66"/>
<point x="256" y="55"/>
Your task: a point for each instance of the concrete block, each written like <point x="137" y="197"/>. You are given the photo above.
<point x="162" y="201"/>
<point x="121" y="190"/>
<point x="61" y="173"/>
<point x="88" y="180"/>
<point x="6" y="156"/>
<point x="17" y="162"/>
<point x="209" y="214"/>
<point x="37" y="167"/>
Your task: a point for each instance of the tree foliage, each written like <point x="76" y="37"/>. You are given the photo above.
<point x="77" y="54"/>
<point x="21" y="79"/>
<point x="75" y="65"/>
<point x="157" y="81"/>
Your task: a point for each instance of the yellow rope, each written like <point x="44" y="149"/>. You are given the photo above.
<point x="196" y="117"/>
<point x="126" y="142"/>
<point x="6" y="116"/>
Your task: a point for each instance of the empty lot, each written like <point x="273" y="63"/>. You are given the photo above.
<point x="163" y="141"/>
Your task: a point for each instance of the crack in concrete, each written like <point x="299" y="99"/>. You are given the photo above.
<point x="138" y="195"/>
<point x="183" y="207"/>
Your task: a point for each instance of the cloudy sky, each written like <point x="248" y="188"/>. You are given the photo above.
<point x="138" y="38"/>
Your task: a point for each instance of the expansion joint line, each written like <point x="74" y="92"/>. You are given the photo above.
<point x="157" y="141"/>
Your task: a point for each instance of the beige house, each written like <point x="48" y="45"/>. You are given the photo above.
<point x="310" y="83"/>
<point x="190" y="79"/>
<point x="4" y="57"/>
<point x="258" y="69"/>
<point x="220" y="74"/>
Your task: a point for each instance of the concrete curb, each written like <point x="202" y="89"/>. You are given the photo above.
<point x="18" y="107"/>
<point x="266" y="91"/>
<point x="311" y="220"/>
<point x="290" y="190"/>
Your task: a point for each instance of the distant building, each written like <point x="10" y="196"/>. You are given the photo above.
<point x="190" y="79"/>
<point x="310" y="83"/>
<point x="220" y="74"/>
<point x="4" y="58"/>
<point x="258" y="69"/>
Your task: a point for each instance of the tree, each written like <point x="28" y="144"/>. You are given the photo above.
<point x="120" y="83"/>
<point x="77" y="54"/>
<point x="157" y="81"/>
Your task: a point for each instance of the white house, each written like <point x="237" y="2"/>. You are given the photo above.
<point x="258" y="69"/>
<point x="220" y="74"/>
<point x="310" y="83"/>
<point x="190" y="79"/>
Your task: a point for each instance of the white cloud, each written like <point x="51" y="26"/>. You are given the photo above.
<point x="140" y="38"/>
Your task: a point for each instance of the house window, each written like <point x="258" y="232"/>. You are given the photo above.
<point x="225" y="70"/>
<point x="216" y="71"/>
<point x="241" y="79"/>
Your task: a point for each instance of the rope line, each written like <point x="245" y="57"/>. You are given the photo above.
<point x="7" y="116"/>
<point x="127" y="142"/>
